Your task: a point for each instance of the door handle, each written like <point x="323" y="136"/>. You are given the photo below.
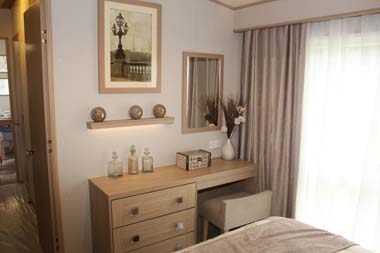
<point x="179" y="226"/>
<point x="134" y="211"/>
<point x="135" y="238"/>
<point x="178" y="247"/>
<point x="179" y="200"/>
<point x="29" y="153"/>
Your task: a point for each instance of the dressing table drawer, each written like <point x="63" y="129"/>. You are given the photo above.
<point x="150" y="206"/>
<point x="141" y="234"/>
<point x="153" y="204"/>
<point x="171" y="245"/>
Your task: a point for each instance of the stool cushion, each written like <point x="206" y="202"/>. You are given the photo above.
<point x="213" y="209"/>
<point x="238" y="209"/>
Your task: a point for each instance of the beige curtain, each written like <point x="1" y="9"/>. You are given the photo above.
<point x="203" y="82"/>
<point x="272" y="87"/>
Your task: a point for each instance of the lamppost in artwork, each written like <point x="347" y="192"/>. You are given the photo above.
<point x="120" y="31"/>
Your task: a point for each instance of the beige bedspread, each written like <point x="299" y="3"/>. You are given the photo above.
<point x="274" y="235"/>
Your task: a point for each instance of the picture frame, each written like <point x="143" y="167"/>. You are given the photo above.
<point x="130" y="35"/>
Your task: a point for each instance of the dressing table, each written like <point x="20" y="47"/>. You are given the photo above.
<point x="157" y="212"/>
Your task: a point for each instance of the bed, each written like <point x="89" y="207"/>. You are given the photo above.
<point x="277" y="235"/>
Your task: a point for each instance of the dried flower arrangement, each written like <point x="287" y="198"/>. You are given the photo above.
<point x="233" y="109"/>
<point x="209" y="105"/>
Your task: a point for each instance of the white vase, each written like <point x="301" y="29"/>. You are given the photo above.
<point x="228" y="151"/>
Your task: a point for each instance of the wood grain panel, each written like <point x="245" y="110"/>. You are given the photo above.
<point x="225" y="177"/>
<point x="170" y="245"/>
<point x="152" y="205"/>
<point x="129" y="122"/>
<point x="39" y="128"/>
<point x="100" y="223"/>
<point x="153" y="231"/>
<point x="220" y="172"/>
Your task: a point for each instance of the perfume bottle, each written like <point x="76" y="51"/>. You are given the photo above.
<point x="147" y="161"/>
<point x="115" y="167"/>
<point x="133" y="162"/>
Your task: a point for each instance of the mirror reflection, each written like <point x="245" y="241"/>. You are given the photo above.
<point x="203" y="75"/>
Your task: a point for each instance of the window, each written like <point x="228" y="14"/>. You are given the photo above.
<point x="339" y="179"/>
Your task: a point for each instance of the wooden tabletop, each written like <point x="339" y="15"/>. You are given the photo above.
<point x="220" y="172"/>
<point x="5" y="121"/>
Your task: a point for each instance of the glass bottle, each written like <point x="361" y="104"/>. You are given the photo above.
<point x="147" y="161"/>
<point x="133" y="162"/>
<point x="115" y="167"/>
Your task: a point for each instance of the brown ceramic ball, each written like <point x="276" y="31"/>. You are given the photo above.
<point x="159" y="111"/>
<point x="135" y="112"/>
<point x="98" y="114"/>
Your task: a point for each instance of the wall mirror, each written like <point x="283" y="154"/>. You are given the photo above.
<point x="202" y="89"/>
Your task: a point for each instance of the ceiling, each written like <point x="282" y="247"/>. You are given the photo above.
<point x="232" y="4"/>
<point x="239" y="4"/>
<point x="6" y="3"/>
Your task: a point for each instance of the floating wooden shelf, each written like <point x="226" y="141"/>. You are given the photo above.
<point x="129" y="122"/>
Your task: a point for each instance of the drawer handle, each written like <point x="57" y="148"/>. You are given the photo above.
<point x="179" y="200"/>
<point x="179" y="226"/>
<point x="178" y="247"/>
<point x="135" y="238"/>
<point x="134" y="211"/>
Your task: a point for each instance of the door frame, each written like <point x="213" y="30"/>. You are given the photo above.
<point x="48" y="75"/>
<point x="11" y="87"/>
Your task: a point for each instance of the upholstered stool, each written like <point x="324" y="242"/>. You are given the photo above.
<point x="235" y="210"/>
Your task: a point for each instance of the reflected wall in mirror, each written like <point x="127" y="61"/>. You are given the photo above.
<point x="202" y="89"/>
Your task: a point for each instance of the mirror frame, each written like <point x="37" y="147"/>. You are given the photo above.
<point x="220" y="57"/>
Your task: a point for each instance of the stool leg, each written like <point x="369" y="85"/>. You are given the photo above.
<point x="205" y="229"/>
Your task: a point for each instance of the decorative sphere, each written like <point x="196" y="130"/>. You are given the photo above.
<point x="159" y="111"/>
<point x="135" y="112"/>
<point x="98" y="114"/>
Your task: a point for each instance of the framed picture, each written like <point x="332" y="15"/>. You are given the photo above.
<point x="129" y="46"/>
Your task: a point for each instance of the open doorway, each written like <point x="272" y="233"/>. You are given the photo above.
<point x="8" y="165"/>
<point x="29" y="191"/>
<point x="18" y="223"/>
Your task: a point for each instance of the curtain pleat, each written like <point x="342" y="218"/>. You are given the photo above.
<point x="272" y="86"/>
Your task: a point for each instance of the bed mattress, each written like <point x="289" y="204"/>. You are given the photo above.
<point x="277" y="235"/>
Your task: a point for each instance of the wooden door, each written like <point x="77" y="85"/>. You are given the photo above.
<point x="38" y="116"/>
